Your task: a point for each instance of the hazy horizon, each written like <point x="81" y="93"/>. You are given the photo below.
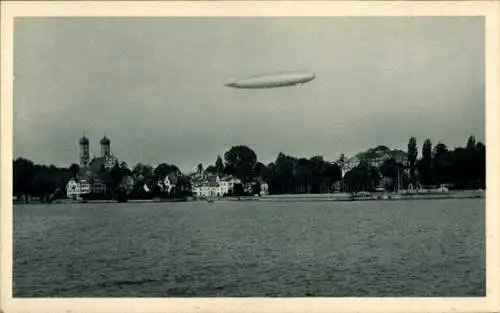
<point x="155" y="86"/>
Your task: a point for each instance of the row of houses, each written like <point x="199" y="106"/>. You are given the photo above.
<point x="208" y="186"/>
<point x="220" y="186"/>
<point x="77" y="188"/>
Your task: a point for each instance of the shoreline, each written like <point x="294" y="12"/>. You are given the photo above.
<point x="330" y="197"/>
<point x="374" y="196"/>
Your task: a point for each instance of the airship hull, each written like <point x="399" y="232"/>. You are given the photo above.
<point x="273" y="81"/>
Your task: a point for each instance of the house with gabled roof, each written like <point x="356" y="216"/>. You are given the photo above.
<point x="170" y="182"/>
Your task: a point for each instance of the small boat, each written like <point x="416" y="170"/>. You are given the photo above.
<point x="210" y="201"/>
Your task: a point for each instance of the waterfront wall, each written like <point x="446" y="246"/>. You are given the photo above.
<point x="465" y="194"/>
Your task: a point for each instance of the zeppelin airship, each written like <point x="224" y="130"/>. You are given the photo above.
<point x="273" y="80"/>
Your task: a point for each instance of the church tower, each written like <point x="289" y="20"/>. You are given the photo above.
<point x="84" y="152"/>
<point x="105" y="147"/>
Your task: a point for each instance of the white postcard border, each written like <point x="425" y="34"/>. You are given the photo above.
<point x="489" y="9"/>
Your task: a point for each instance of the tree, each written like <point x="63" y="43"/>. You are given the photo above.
<point x="163" y="169"/>
<point x="116" y="177"/>
<point x="23" y="172"/>
<point x="124" y="170"/>
<point x="481" y="164"/>
<point x="427" y="149"/>
<point x="391" y="169"/>
<point x="441" y="163"/>
<point x="412" y="156"/>
<point x="324" y="174"/>
<point x="219" y="165"/>
<point x="471" y="143"/>
<point x="259" y="168"/>
<point x="373" y="177"/>
<point x="143" y="174"/>
<point x="439" y="149"/>
<point x="46" y="182"/>
<point x="74" y="170"/>
<point x="137" y="171"/>
<point x="199" y="169"/>
<point x="300" y="175"/>
<point x="124" y="165"/>
<point x="282" y="181"/>
<point x="182" y="187"/>
<point x="211" y="170"/>
<point x="332" y="174"/>
<point x="43" y="182"/>
<point x="268" y="173"/>
<point x="240" y="162"/>
<point x="425" y="165"/>
<point x="362" y="178"/>
<point x="317" y="167"/>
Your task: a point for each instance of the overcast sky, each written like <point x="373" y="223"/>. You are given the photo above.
<point x="155" y="86"/>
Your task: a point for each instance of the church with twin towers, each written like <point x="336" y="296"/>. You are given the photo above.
<point x="92" y="167"/>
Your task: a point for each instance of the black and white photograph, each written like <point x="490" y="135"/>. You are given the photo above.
<point x="247" y="156"/>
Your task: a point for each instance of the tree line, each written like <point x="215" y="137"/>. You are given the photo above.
<point x="49" y="182"/>
<point x="41" y="181"/>
<point x="461" y="168"/>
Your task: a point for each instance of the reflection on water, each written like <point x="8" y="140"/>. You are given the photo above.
<point x="402" y="248"/>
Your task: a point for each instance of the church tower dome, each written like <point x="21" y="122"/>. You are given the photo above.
<point x="84" y="141"/>
<point x="105" y="147"/>
<point x="105" y="141"/>
<point x="84" y="152"/>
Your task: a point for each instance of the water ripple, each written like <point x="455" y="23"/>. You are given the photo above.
<point x="233" y="249"/>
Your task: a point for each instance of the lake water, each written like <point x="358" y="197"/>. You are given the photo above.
<point x="244" y="249"/>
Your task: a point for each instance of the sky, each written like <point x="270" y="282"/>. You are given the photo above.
<point x="156" y="86"/>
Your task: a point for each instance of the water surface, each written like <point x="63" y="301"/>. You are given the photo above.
<point x="245" y="249"/>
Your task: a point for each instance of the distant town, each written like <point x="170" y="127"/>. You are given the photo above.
<point x="239" y="173"/>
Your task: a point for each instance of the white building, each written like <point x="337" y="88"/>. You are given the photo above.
<point x="207" y="190"/>
<point x="75" y="189"/>
<point x="215" y="186"/>
<point x="226" y="184"/>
